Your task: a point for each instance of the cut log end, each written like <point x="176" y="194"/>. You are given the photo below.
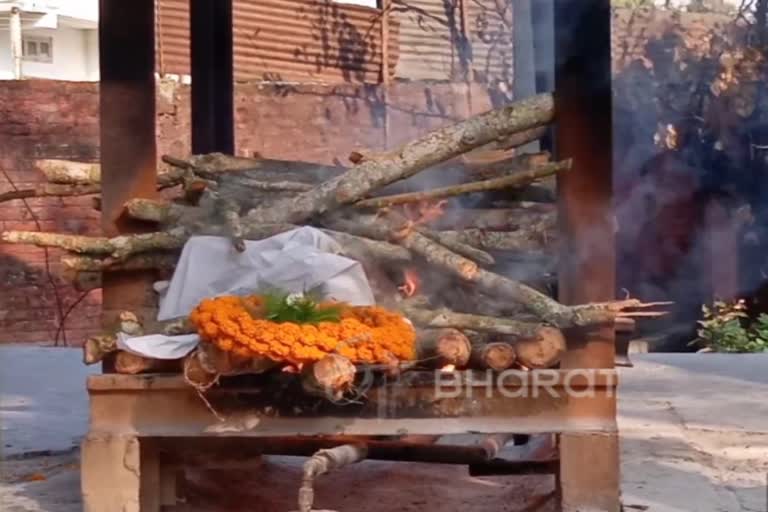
<point x="225" y="363"/>
<point x="196" y="373"/>
<point x="542" y="351"/>
<point x="443" y="347"/>
<point x="96" y="348"/>
<point x="330" y="377"/>
<point x="132" y="364"/>
<point x="493" y="356"/>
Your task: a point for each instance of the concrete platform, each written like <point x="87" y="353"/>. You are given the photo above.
<point x="694" y="439"/>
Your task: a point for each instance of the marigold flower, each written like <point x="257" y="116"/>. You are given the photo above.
<point x="367" y="334"/>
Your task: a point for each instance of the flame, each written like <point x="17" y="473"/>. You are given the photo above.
<point x="449" y="368"/>
<point x="425" y="212"/>
<point x="411" y="283"/>
<point x="417" y="214"/>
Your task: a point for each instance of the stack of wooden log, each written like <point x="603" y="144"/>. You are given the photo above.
<point x="456" y="229"/>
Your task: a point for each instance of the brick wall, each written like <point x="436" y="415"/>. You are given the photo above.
<point x="49" y="119"/>
<point x="43" y="119"/>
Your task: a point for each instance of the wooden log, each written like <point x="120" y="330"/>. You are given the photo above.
<point x="162" y="212"/>
<point x="96" y="348"/>
<point x="538" y="303"/>
<point x="363" y="249"/>
<point x="143" y="261"/>
<point x="194" y="189"/>
<point x="150" y="250"/>
<point x="230" y="211"/>
<point x="413" y="157"/>
<point x="518" y="179"/>
<point x="487" y="164"/>
<point x="228" y="364"/>
<point x="132" y="364"/>
<point x="442" y="347"/>
<point x="530" y="217"/>
<point x="87" y="174"/>
<point x="542" y="351"/>
<point x="329" y="378"/>
<point x="274" y="186"/>
<point x="471" y="243"/>
<point x="446" y="319"/>
<point x="522" y="138"/>
<point x="178" y="326"/>
<point x="494" y="356"/>
<point x="460" y="247"/>
<point x="67" y="172"/>
<point x="521" y="240"/>
<point x="119" y="247"/>
<point x="221" y="167"/>
<point x="51" y="190"/>
<point x="196" y="374"/>
<point x="322" y="462"/>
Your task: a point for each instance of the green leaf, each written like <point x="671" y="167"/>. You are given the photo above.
<point x="283" y="307"/>
<point x="725" y="327"/>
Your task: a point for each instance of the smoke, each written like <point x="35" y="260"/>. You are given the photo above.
<point x="687" y="176"/>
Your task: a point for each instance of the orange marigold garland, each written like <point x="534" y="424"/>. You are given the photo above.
<point x="364" y="334"/>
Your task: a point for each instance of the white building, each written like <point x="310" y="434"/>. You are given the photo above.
<point x="55" y="39"/>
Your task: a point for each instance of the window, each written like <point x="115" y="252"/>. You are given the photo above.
<point x="37" y="49"/>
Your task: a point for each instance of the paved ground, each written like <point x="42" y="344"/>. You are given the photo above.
<point x="694" y="439"/>
<point x="42" y="402"/>
<point x="694" y="431"/>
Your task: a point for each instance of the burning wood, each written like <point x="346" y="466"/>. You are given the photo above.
<point x="540" y="218"/>
<point x="515" y="180"/>
<point x="410" y="284"/>
<point x="424" y="237"/>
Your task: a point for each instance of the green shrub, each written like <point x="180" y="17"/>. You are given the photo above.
<point x="726" y="327"/>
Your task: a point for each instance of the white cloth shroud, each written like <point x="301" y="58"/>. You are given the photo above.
<point x="296" y="261"/>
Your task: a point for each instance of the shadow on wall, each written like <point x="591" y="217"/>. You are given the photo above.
<point x="691" y="132"/>
<point x="43" y="119"/>
<point x="331" y="121"/>
<point x="30" y="309"/>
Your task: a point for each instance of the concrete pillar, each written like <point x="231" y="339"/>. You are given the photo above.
<point x="17" y="52"/>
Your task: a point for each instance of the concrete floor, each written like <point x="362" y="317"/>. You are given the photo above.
<point x="694" y="432"/>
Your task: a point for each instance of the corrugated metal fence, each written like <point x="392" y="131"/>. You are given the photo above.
<point x="324" y="41"/>
<point x="455" y="39"/>
<point x="287" y="40"/>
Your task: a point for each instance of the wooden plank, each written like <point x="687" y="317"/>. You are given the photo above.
<point x="424" y="404"/>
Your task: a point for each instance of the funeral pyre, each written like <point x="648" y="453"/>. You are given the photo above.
<point x="461" y="274"/>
